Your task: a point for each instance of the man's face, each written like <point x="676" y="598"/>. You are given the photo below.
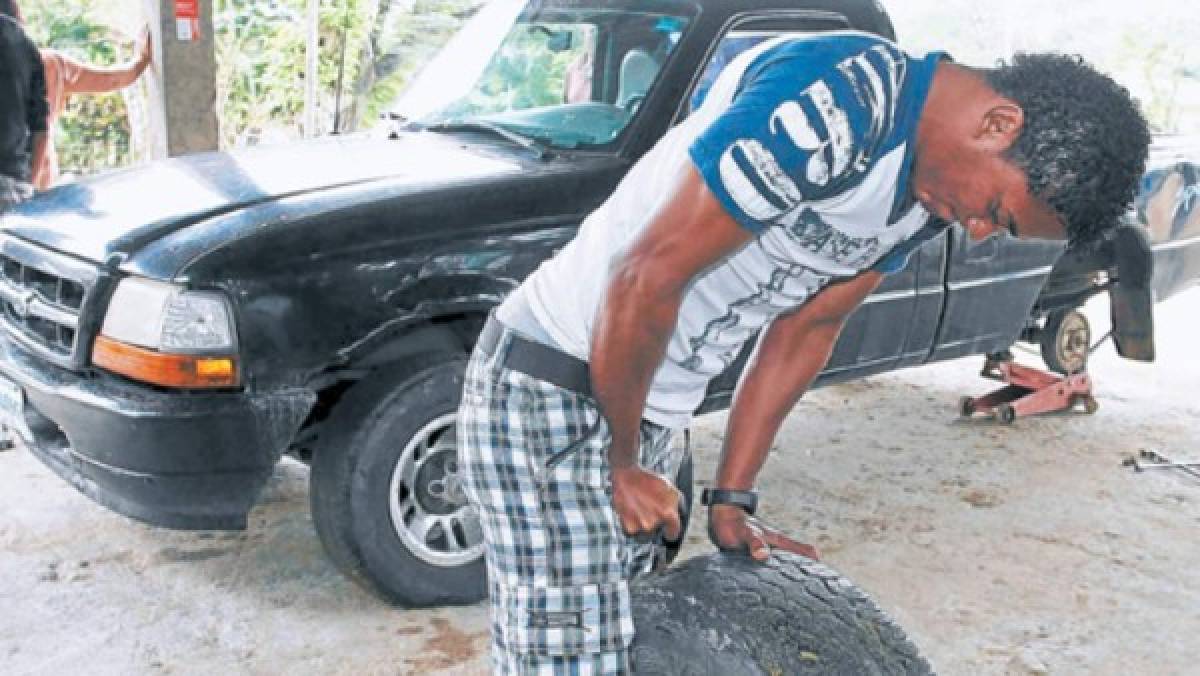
<point x="987" y="194"/>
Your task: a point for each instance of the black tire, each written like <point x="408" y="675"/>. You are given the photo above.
<point x="685" y="484"/>
<point x="1006" y="414"/>
<point x="724" y="614"/>
<point x="966" y="407"/>
<point x="1065" y="340"/>
<point x="355" y="474"/>
<point x="1090" y="405"/>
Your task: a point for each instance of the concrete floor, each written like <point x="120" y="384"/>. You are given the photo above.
<point x="1002" y="550"/>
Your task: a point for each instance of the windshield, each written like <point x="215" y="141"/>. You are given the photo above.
<point x="568" y="76"/>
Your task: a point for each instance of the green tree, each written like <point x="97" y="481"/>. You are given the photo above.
<point x="368" y="49"/>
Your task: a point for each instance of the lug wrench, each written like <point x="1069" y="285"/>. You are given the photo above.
<point x="1160" y="461"/>
<point x="1187" y="467"/>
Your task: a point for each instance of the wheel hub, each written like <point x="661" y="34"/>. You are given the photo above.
<point x="427" y="501"/>
<point x="438" y="486"/>
<point x="1073" y="342"/>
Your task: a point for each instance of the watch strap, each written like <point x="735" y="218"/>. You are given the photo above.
<point x="747" y="500"/>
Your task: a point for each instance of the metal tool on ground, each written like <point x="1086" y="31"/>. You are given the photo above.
<point x="1139" y="466"/>
<point x="1028" y="391"/>
<point x="1147" y="459"/>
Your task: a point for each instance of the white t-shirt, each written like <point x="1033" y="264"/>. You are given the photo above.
<point x="805" y="142"/>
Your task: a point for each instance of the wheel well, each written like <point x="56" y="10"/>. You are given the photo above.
<point x="451" y="333"/>
<point x="1121" y="265"/>
<point x="1078" y="275"/>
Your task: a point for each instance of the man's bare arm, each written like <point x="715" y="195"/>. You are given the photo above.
<point x="91" y="79"/>
<point x="38" y="157"/>
<point x="793" y="350"/>
<point x="690" y="233"/>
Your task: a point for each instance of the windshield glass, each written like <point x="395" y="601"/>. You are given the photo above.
<point x="569" y="76"/>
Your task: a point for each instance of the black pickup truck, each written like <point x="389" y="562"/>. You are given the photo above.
<point x="170" y="332"/>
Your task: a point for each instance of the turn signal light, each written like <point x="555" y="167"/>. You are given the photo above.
<point x="160" y="368"/>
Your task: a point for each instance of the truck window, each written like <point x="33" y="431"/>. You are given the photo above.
<point x="733" y="43"/>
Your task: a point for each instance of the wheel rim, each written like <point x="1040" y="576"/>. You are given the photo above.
<point x="427" y="502"/>
<point x="1074" y="336"/>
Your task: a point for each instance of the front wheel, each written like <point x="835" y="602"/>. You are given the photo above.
<point x="966" y="407"/>
<point x="387" y="500"/>
<point x="387" y="497"/>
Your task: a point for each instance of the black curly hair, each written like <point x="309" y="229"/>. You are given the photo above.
<point x="1084" y="142"/>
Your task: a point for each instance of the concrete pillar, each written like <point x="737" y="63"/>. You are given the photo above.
<point x="183" y="80"/>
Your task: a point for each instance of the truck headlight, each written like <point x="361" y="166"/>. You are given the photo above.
<point x="164" y="334"/>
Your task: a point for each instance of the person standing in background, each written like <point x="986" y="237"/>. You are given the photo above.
<point x="64" y="76"/>
<point x="23" y="108"/>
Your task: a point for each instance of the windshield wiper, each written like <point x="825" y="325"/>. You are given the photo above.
<point x="539" y="149"/>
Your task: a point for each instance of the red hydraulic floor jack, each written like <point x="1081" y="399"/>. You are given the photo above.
<point x="1028" y="391"/>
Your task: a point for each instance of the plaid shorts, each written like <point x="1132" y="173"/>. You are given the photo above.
<point x="535" y="459"/>
<point x="13" y="192"/>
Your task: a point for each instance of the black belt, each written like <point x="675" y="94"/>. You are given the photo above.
<point x="535" y="359"/>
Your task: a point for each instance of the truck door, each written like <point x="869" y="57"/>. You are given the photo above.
<point x="990" y="288"/>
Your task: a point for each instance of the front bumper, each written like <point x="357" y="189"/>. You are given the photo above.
<point x="174" y="459"/>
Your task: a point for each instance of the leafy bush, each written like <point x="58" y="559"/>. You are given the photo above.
<point x="261" y="64"/>
<point x="367" y="51"/>
<point x="260" y="48"/>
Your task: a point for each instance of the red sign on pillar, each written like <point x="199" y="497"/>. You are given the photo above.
<point x="187" y="20"/>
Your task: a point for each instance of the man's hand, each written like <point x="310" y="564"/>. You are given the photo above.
<point x="145" y="48"/>
<point x="732" y="529"/>
<point x="644" y="501"/>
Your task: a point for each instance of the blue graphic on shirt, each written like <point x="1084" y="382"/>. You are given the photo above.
<point x="809" y="122"/>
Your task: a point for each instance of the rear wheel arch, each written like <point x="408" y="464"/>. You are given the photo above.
<point x="1121" y="265"/>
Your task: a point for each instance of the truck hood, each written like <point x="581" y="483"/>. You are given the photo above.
<point x="114" y="214"/>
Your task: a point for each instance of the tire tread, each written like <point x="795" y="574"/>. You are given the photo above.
<point x="788" y="616"/>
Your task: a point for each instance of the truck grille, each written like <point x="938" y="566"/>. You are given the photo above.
<point x="42" y="297"/>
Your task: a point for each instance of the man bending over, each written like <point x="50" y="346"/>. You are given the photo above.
<point x="811" y="170"/>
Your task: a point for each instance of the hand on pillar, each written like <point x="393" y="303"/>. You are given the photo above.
<point x="145" y="49"/>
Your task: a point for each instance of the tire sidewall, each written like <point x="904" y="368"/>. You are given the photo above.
<point x="405" y="409"/>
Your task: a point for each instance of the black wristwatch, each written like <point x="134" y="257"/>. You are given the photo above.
<point x="747" y="500"/>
